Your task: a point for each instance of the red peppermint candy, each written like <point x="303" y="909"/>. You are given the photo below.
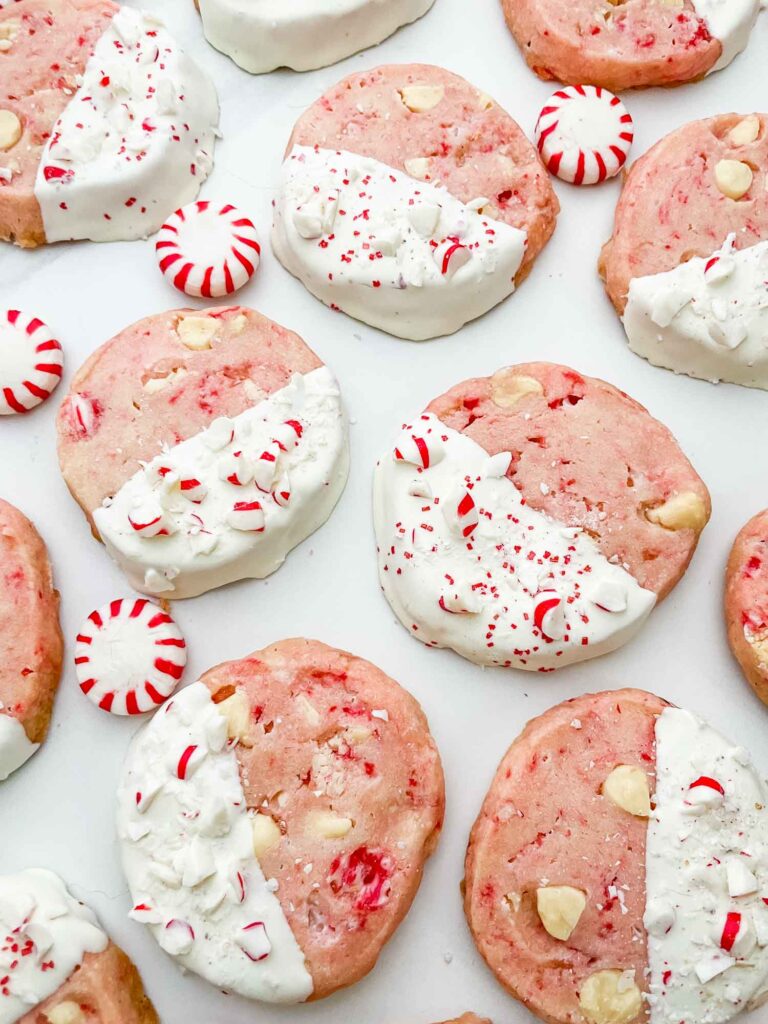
<point x="129" y="656"/>
<point x="31" y="362"/>
<point x="549" y="615"/>
<point x="207" y="250"/>
<point x="451" y="256"/>
<point x="584" y="134"/>
<point x="419" y="451"/>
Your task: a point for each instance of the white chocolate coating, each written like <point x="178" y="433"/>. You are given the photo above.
<point x="479" y="594"/>
<point x="707" y="318"/>
<point x="208" y="544"/>
<point x="134" y="143"/>
<point x="706" y="857"/>
<point x="398" y="254"/>
<point x="261" y="35"/>
<point x="187" y="845"/>
<point x="730" y="21"/>
<point x="37" y="910"/>
<point x="15" y="746"/>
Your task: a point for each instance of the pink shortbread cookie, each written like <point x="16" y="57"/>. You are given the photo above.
<point x="614" y="464"/>
<point x="30" y="639"/>
<point x="592" y="889"/>
<point x="329" y="732"/>
<point x="50" y="43"/>
<point x="636" y="44"/>
<point x="746" y="602"/>
<point x="196" y="440"/>
<point x="671" y="208"/>
<point x="465" y="142"/>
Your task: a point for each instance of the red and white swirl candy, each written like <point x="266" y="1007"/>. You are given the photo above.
<point x="549" y="615"/>
<point x="208" y="250"/>
<point x="129" y="656"/>
<point x="419" y="451"/>
<point x="31" y="362"/>
<point x="584" y="134"/>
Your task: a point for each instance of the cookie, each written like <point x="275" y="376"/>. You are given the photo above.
<point x="411" y="201"/>
<point x="30" y="640"/>
<point x="203" y="446"/>
<point x="534" y="518"/>
<point x="268" y="35"/>
<point x="468" y="1018"/>
<point x="746" y="602"/>
<point x="106" y="126"/>
<point x="618" y="866"/>
<point x="68" y="971"/>
<point x="687" y="263"/>
<point x="320" y="796"/>
<point x="630" y="45"/>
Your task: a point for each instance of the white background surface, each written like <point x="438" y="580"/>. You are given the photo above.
<point x="57" y="812"/>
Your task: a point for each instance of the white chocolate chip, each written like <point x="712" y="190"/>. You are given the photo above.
<point x="417" y="167"/>
<point x="237" y="326"/>
<point x="266" y="834"/>
<point x="733" y="178"/>
<point x="485" y="101"/>
<point x="684" y="511"/>
<point x="507" y="388"/>
<point x="9" y="29"/>
<point x="560" y="907"/>
<point x="237" y="711"/>
<point x="196" y="332"/>
<point x="330" y="825"/>
<point x="609" y="997"/>
<point x="65" y="1013"/>
<point x="356" y="734"/>
<point x="745" y="131"/>
<point x="155" y="384"/>
<point x="10" y="129"/>
<point x="419" y="98"/>
<point x="309" y="710"/>
<point x="627" y="787"/>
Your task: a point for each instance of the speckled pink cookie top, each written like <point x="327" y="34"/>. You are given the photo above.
<point x="49" y="43"/>
<point x="589" y="456"/>
<point x="672" y="209"/>
<point x="544" y="818"/>
<point x="746" y="602"/>
<point x="340" y="759"/>
<point x="456" y="136"/>
<point x="622" y="46"/>
<point x="163" y="380"/>
<point x="30" y="638"/>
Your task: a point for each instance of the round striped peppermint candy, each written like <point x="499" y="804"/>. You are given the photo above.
<point x="130" y="656"/>
<point x="31" y="362"/>
<point x="584" y="134"/>
<point x="207" y="250"/>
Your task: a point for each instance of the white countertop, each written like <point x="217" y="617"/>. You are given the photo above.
<point x="58" y="811"/>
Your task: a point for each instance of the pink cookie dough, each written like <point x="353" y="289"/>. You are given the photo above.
<point x="329" y="733"/>
<point x="625" y="46"/>
<point x="465" y="142"/>
<point x="544" y="817"/>
<point x="589" y="456"/>
<point x="105" y="989"/>
<point x="746" y="602"/>
<point x="30" y="637"/>
<point x="50" y="44"/>
<point x="468" y="1018"/>
<point x="111" y="420"/>
<point x="672" y="210"/>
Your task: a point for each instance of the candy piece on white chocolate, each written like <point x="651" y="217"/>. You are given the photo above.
<point x="129" y="656"/>
<point x="208" y="250"/>
<point x="584" y="134"/>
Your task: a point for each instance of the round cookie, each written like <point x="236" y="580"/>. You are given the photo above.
<point x="203" y="446"/>
<point x="315" y="820"/>
<point x="411" y="200"/>
<point x="310" y="34"/>
<point x="534" y="518"/>
<point x="112" y="129"/>
<point x="746" y="602"/>
<point x="687" y="262"/>
<point x="614" y="874"/>
<point x="70" y="972"/>
<point x="30" y="640"/>
<point x="631" y="45"/>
